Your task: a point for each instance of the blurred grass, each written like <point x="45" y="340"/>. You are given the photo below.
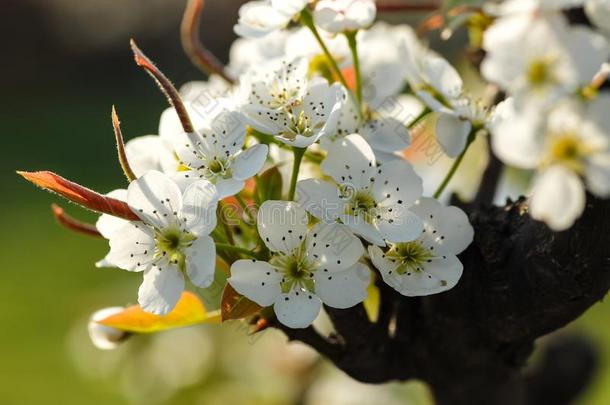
<point x="48" y="278"/>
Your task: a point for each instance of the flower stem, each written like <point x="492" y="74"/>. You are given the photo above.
<point x="298" y="157"/>
<point x="307" y="20"/>
<point x="353" y="46"/>
<point x="244" y="207"/>
<point x="455" y="165"/>
<point x="224" y="221"/>
<point x="419" y="118"/>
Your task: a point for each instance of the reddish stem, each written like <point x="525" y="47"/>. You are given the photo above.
<point x="74" y="224"/>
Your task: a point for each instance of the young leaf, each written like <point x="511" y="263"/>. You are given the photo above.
<point x="188" y="311"/>
<point x="236" y="306"/>
<point x="80" y="195"/>
<point x="269" y="185"/>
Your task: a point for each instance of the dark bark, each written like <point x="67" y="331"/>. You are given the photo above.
<point x="521" y="281"/>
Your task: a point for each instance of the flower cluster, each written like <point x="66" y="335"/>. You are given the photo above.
<point x="306" y="136"/>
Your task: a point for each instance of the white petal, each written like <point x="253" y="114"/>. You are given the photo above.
<point x="350" y="161"/>
<point x="107" y="224"/>
<point x="132" y="247"/>
<point x="386" y="267"/>
<point x="282" y="225"/>
<point x="386" y="134"/>
<point x="558" y="198"/>
<point x="160" y="290"/>
<point x="345" y="288"/>
<point x="442" y="76"/>
<point x="143" y="153"/>
<point x="320" y="199"/>
<point x="297" y="309"/>
<point x="154" y="198"/>
<point x="399" y="225"/>
<point x="598" y="175"/>
<point x="229" y="187"/>
<point x="200" y="201"/>
<point x="396" y="184"/>
<point x="446" y="228"/>
<point x="250" y="162"/>
<point x="333" y="246"/>
<point x="359" y="226"/>
<point x="256" y="280"/>
<point x="440" y="274"/>
<point x="201" y="261"/>
<point x="452" y="133"/>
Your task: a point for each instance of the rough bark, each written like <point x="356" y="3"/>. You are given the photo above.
<point x="521" y="281"/>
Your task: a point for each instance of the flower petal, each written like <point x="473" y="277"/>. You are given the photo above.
<point x="282" y="225"/>
<point x="160" y="290"/>
<point x="201" y="261"/>
<point x="350" y="161"/>
<point x="132" y="247"/>
<point x="359" y="226"/>
<point x="250" y="162"/>
<point x="386" y="267"/>
<point x="297" y="309"/>
<point x="397" y="184"/>
<point x="399" y="225"/>
<point x="320" y="199"/>
<point x="154" y="198"/>
<point x="438" y="275"/>
<point x="256" y="280"/>
<point x="558" y="198"/>
<point x="199" y="207"/>
<point x="345" y="288"/>
<point x="333" y="246"/>
<point x="452" y="133"/>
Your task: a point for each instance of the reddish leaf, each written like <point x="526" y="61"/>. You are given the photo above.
<point x="72" y="223"/>
<point x="235" y="306"/>
<point x="80" y="195"/>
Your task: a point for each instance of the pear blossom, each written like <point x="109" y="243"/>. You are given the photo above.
<point x="170" y="240"/>
<point x="307" y="267"/>
<point x="246" y="53"/>
<point x="374" y="201"/>
<point x="214" y="152"/>
<point x="280" y="101"/>
<point x="105" y="337"/>
<point x="259" y="18"/>
<point x="427" y="265"/>
<point x="557" y="61"/>
<point x="567" y="147"/>
<point x="512" y="7"/>
<point x="344" y="15"/>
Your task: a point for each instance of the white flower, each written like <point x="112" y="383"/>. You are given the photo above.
<point x="344" y="15"/>
<point x="573" y="142"/>
<point x="282" y="102"/>
<point x="259" y="18"/>
<point x="558" y="59"/>
<point x="105" y="337"/>
<point x="246" y="53"/>
<point x="427" y="265"/>
<point x="307" y="267"/>
<point x="511" y="7"/>
<point x="456" y="123"/>
<point x="170" y="240"/>
<point x="385" y="131"/>
<point x="372" y="200"/>
<point x="214" y="153"/>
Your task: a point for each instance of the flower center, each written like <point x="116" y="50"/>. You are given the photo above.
<point x="171" y="242"/>
<point x="539" y="72"/>
<point x="217" y="167"/>
<point x="568" y="150"/>
<point x="410" y="255"/>
<point x="362" y="204"/>
<point x="296" y="270"/>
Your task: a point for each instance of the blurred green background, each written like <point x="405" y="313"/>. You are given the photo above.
<point x="64" y="63"/>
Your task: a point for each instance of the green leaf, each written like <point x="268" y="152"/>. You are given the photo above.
<point x="236" y="306"/>
<point x="269" y="185"/>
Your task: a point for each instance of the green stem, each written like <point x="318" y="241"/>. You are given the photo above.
<point x="353" y="46"/>
<point x="244" y="207"/>
<point x="223" y="220"/>
<point x="419" y="118"/>
<point x="298" y="157"/>
<point x="236" y="249"/>
<point x="307" y="20"/>
<point x="269" y="139"/>
<point x="455" y="165"/>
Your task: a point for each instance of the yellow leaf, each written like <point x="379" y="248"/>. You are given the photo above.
<point x="372" y="302"/>
<point x="235" y="306"/>
<point x="188" y="311"/>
